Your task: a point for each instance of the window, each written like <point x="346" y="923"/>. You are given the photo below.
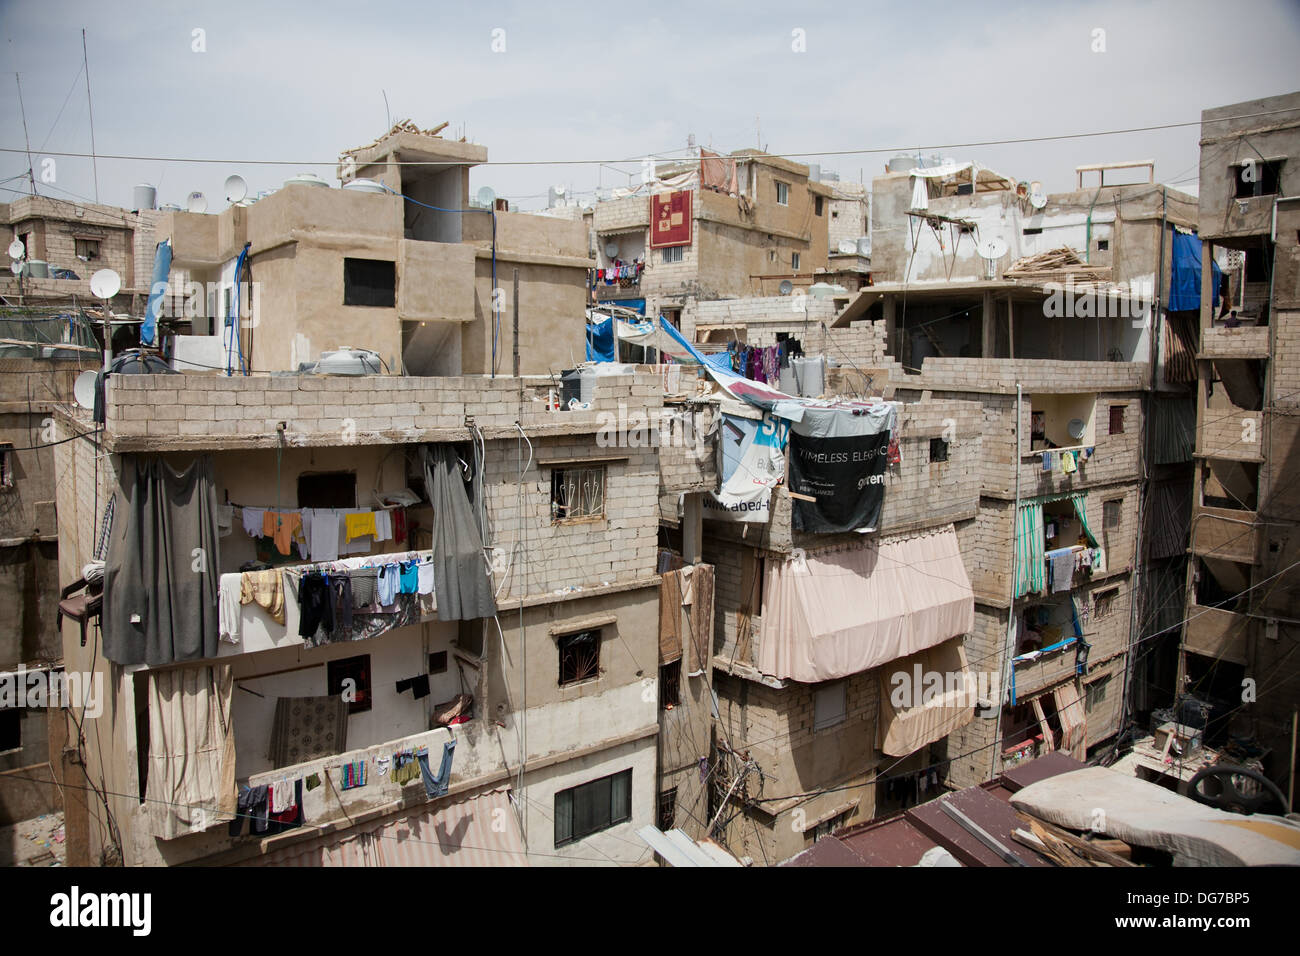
<point x="1110" y="512"/>
<point x="1103" y="602"/>
<point x="577" y="493"/>
<point x="673" y="254"/>
<point x="1095" y="693"/>
<point x="828" y="827"/>
<point x="1103" y="245"/>
<point x="1117" y="419"/>
<point x="1032" y="231"/>
<point x="938" y="449"/>
<point x="771" y="255"/>
<point x="356" y="670"/>
<point x="794" y="261"/>
<point x="579" y="656"/>
<point x="331" y="489"/>
<point x="670" y="678"/>
<point x="782" y="193"/>
<point x="7" y="463"/>
<point x="371" y="282"/>
<point x="829" y="705"/>
<point x="668" y="809"/>
<point x="438" y="662"/>
<point x="592" y="807"/>
<point x="11" y="731"/>
<point x="1257" y="177"/>
<point x="817" y="205"/>
<point x="87" y="249"/>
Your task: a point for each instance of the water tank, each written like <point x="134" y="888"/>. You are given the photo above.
<point x="814" y="172"/>
<point x="144" y="196"/>
<point x="902" y="164"/>
<point x="364" y="186"/>
<point x="37" y="269"/>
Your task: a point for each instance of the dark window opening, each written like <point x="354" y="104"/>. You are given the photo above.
<point x="331" y="489"/>
<point x="1034" y="231"/>
<point x="579" y="656"/>
<point x="356" y="670"/>
<point x="965" y="189"/>
<point x="1117" y="419"/>
<point x="1259" y="177"/>
<point x="7" y="462"/>
<point x="670" y="678"/>
<point x="87" y="249"/>
<point x="1103" y="245"/>
<point x="438" y="662"/>
<point x="371" y="282"/>
<point x="668" y="809"/>
<point x="938" y="449"/>
<point x="817" y="205"/>
<point x="592" y="807"/>
<point x="11" y="731"/>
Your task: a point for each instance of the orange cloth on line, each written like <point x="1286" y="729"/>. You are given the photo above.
<point x="283" y="526"/>
<point x="360" y="524"/>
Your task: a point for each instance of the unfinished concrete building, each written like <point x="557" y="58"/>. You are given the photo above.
<point x="397" y="261"/>
<point x="546" y="705"/>
<point x="1238" y="673"/>
<point x="728" y="226"/>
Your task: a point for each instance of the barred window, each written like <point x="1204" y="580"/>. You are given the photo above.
<point x="577" y="493"/>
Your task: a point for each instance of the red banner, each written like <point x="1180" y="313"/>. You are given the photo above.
<point x="670" y="219"/>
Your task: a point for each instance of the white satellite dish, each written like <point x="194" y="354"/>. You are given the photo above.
<point x="847" y="247"/>
<point x="105" y="284"/>
<point x="486" y="197"/>
<point x="611" y="249"/>
<point x="1037" y="198"/>
<point x="993" y="249"/>
<point x="1075" y="428"/>
<point x="559" y="189"/>
<point x="16" y="266"/>
<point x="196" y="202"/>
<point x="16" y="249"/>
<point x="786" y="287"/>
<point x="236" y="189"/>
<point x="83" y="390"/>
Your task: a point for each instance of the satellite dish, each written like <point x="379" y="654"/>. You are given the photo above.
<point x="993" y="249"/>
<point x="847" y="247"/>
<point x="16" y="249"/>
<point x="611" y="249"/>
<point x="1075" y="428"/>
<point x="236" y="189"/>
<point x="196" y="202"/>
<point x="105" y="284"/>
<point x="486" y="197"/>
<point x="16" y="266"/>
<point x="1037" y="198"/>
<point x="786" y="287"/>
<point x="559" y="189"/>
<point x="83" y="390"/>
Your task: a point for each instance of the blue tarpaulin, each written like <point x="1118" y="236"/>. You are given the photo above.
<point x="600" y="341"/>
<point x="1185" y="274"/>
<point x="162" y="265"/>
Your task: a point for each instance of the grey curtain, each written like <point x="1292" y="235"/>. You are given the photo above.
<point x="161" y="572"/>
<point x="460" y="579"/>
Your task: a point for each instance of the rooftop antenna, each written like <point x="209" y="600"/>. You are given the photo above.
<point x="85" y="62"/>
<point x="388" y="117"/>
<point x="30" y="177"/>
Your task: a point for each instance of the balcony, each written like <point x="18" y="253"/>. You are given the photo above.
<point x="1215" y="633"/>
<point x="1236" y="435"/>
<point x="1225" y="533"/>
<point x="1243" y="342"/>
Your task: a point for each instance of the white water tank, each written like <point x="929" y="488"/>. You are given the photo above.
<point x="144" y="196"/>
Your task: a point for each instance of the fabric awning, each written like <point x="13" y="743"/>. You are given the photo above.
<point x="846" y="610"/>
<point x="908" y="720"/>
<point x="477" y="831"/>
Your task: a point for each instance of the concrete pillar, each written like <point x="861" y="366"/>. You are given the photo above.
<point x="887" y="306"/>
<point x="987" y="327"/>
<point x="692" y="528"/>
<point x="1011" y="328"/>
<point x="66" y="764"/>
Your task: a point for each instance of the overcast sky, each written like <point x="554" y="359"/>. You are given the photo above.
<point x="300" y="82"/>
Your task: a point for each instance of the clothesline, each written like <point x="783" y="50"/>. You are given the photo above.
<point x="321" y="534"/>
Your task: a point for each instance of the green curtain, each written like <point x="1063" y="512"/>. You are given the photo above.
<point x="1030" y="573"/>
<point x="1081" y="510"/>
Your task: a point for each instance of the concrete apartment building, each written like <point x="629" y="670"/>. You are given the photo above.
<point x="752" y="222"/>
<point x="563" y="712"/>
<point x="397" y="261"/>
<point x="1057" y="350"/>
<point x="1243" y="586"/>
